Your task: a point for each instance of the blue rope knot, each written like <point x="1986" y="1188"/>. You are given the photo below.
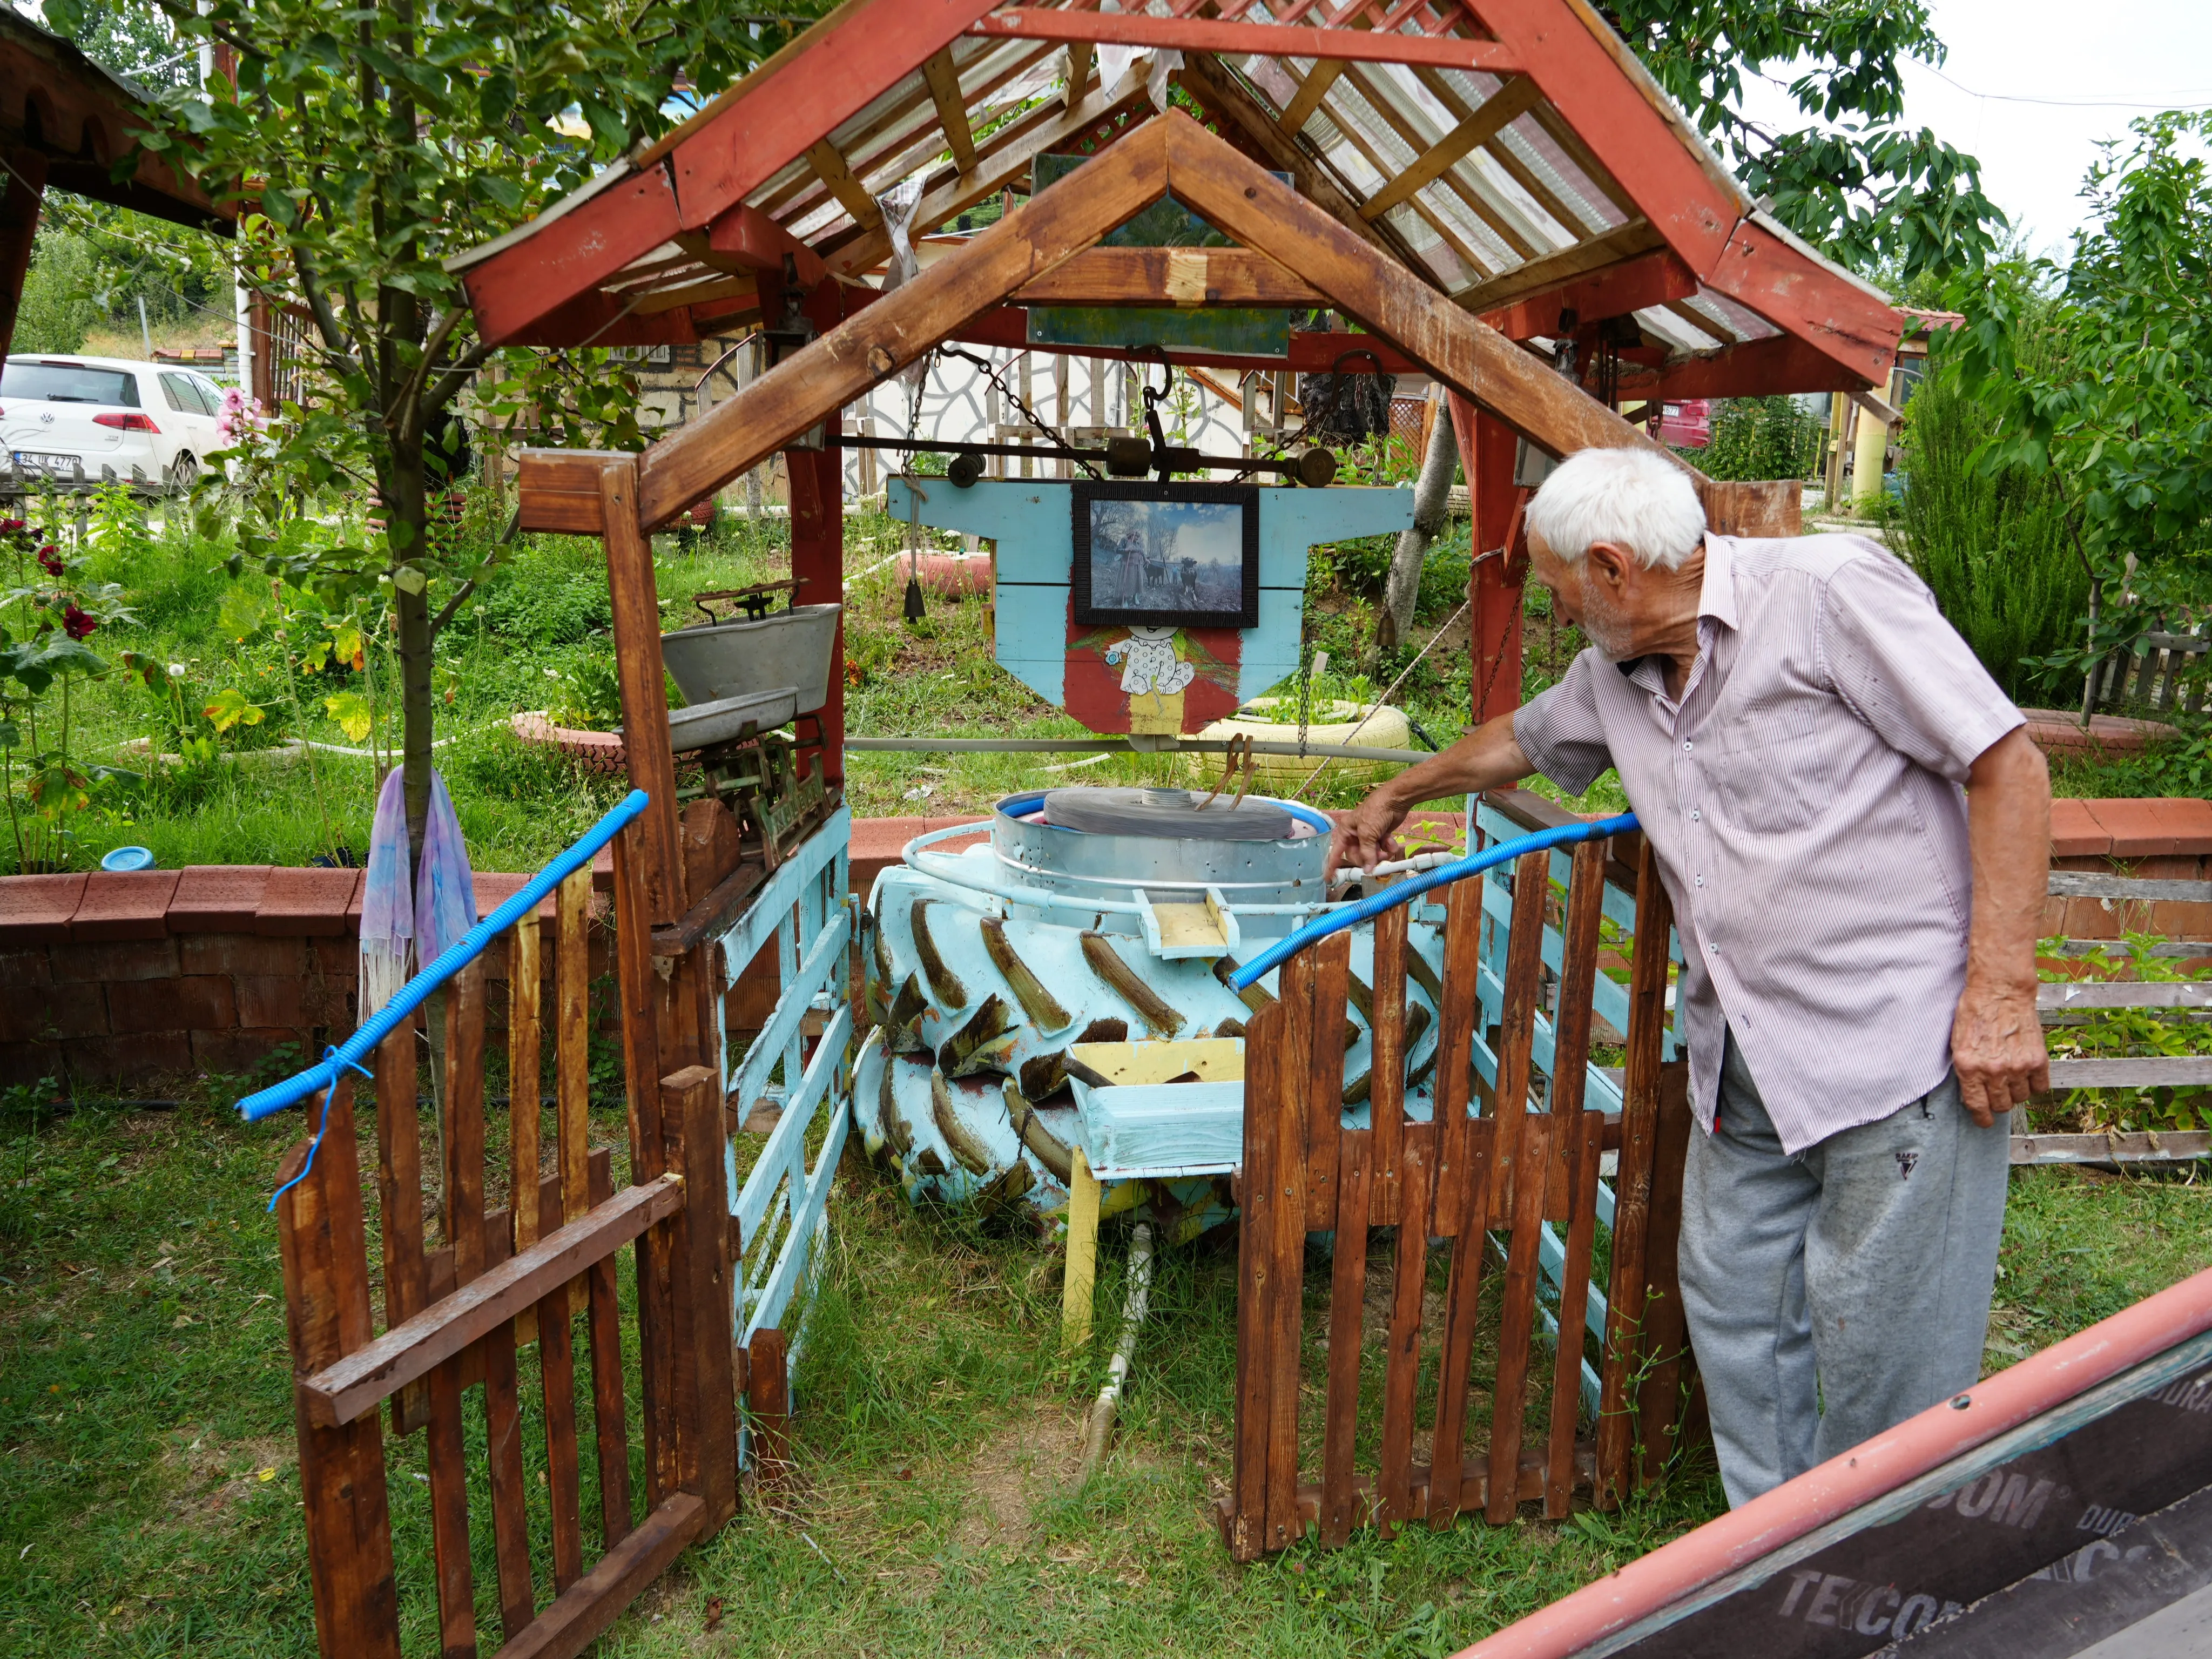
<point x="333" y="1064"/>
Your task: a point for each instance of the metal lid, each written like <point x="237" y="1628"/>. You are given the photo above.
<point x="1169" y="814"/>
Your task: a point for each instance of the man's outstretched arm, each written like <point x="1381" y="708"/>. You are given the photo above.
<point x="1997" y="1040"/>
<point x="1488" y="757"/>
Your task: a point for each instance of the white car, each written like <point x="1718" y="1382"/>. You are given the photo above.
<point x="59" y="413"/>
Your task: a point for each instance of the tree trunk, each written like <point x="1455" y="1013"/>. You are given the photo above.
<point x="1431" y="511"/>
<point x="406" y="520"/>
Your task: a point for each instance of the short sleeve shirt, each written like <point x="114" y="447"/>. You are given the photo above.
<point x="1804" y="800"/>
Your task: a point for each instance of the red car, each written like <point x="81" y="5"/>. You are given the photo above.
<point x="1687" y="424"/>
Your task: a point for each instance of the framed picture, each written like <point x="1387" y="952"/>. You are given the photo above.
<point x="1167" y="554"/>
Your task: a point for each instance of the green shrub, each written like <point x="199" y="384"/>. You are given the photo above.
<point x="1760" y="438"/>
<point x="1995" y="548"/>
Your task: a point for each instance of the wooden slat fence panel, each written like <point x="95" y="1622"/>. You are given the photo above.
<point x="459" y="1318"/>
<point x="1523" y="1179"/>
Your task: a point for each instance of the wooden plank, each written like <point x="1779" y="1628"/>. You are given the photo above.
<point x="1386" y="1089"/>
<point x="2140" y="1147"/>
<point x="510" y="1521"/>
<point x="348" y="1520"/>
<point x="1549" y="272"/>
<point x="1259" y="39"/>
<point x="1283" y="1353"/>
<point x="1324" y="1103"/>
<point x="1170" y="277"/>
<point x="1579" y="932"/>
<point x="572" y="1062"/>
<point x="830" y="166"/>
<point x="1516" y="1321"/>
<point x="1659" y="1399"/>
<point x="1515" y="1039"/>
<point x="1257" y="1279"/>
<point x="943" y="80"/>
<point x="524" y="1032"/>
<point x="2182" y="1071"/>
<point x="1077" y="1287"/>
<point x="768" y="1402"/>
<point x="444" y="1451"/>
<point x="711" y="916"/>
<point x="484" y="1300"/>
<point x="1509" y="102"/>
<point x="1456" y="1016"/>
<point x="2083" y="995"/>
<point x="889" y="334"/>
<point x="1645" y="1038"/>
<point x="1578" y="1153"/>
<point x="556" y="1363"/>
<point x="1250" y="206"/>
<point x="580" y="1614"/>
<point x="399" y="1193"/>
<point x="2071" y="884"/>
<point x="1311" y="90"/>
<point x="691" y="1104"/>
<point x="1402" y="1362"/>
<point x="1462" y="1296"/>
<point x="1346" y="1305"/>
<point x="635" y="604"/>
<point x="610" y="1417"/>
<point x="639" y="984"/>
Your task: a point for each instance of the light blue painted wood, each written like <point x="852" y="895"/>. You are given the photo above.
<point x="1031" y="523"/>
<point x="824" y="957"/>
<point x="781" y="1172"/>
<point x="822" y="853"/>
<point x="1159" y="1129"/>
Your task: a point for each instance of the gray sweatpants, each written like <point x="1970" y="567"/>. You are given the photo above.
<point x="1854" y="1277"/>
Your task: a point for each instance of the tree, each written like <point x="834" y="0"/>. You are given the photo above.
<point x="370" y="144"/>
<point x="58" y="308"/>
<point x="2098" y="375"/>
<point x="1855" y="179"/>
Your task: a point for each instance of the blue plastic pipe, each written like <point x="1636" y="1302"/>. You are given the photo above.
<point x="349" y="1055"/>
<point x="1412" y="887"/>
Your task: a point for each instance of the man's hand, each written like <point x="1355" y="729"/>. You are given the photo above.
<point x="1486" y="758"/>
<point x="1366" y="836"/>
<point x="1996" y="1044"/>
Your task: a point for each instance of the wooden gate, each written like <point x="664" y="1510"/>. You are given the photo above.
<point x="538" y="1273"/>
<point x="1519" y="1182"/>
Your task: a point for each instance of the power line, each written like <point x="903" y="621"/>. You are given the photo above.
<point x="2069" y="103"/>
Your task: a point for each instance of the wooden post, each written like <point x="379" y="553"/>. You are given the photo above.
<point x="643" y="676"/>
<point x="768" y="1402"/>
<point x="1487" y="448"/>
<point x="703" y="1390"/>
<point x="524" y="1029"/>
<point x="321" y="1238"/>
<point x="818" y="565"/>
<point x="19" y="229"/>
<point x="1078" y="1282"/>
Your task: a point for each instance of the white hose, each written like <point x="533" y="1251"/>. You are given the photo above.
<point x="1397" y="866"/>
<point x="1100" y="1424"/>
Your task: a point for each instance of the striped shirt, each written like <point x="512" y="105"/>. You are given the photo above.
<point x="1803" y="799"/>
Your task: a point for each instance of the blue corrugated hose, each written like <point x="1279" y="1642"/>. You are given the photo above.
<point x="1413" y="886"/>
<point x="349" y="1055"/>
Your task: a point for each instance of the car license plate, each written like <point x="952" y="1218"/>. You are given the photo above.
<point x="32" y="461"/>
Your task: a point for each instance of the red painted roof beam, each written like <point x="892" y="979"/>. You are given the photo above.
<point x="1241" y="40"/>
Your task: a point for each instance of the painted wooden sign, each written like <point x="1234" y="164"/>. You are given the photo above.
<point x="1144" y="680"/>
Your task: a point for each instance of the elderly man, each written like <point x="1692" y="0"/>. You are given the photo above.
<point x="1855" y="831"/>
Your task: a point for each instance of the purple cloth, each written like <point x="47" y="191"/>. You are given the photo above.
<point x="445" y="893"/>
<point x="405" y="926"/>
<point x="1803" y="799"/>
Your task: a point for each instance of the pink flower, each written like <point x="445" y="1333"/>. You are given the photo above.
<point x="232" y="400"/>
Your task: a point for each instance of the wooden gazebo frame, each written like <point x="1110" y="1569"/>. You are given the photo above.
<point x="1466" y="174"/>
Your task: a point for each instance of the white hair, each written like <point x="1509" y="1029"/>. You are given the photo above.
<point x="1634" y="497"/>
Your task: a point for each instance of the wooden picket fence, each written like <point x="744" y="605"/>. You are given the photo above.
<point x="1478" y="1185"/>
<point x="540" y="1272"/>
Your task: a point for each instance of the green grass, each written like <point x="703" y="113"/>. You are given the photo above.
<point x="143" y="1391"/>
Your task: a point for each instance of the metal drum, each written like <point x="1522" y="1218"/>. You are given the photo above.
<point x="985" y="966"/>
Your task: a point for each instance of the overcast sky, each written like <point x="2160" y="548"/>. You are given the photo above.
<point x="2099" y="67"/>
